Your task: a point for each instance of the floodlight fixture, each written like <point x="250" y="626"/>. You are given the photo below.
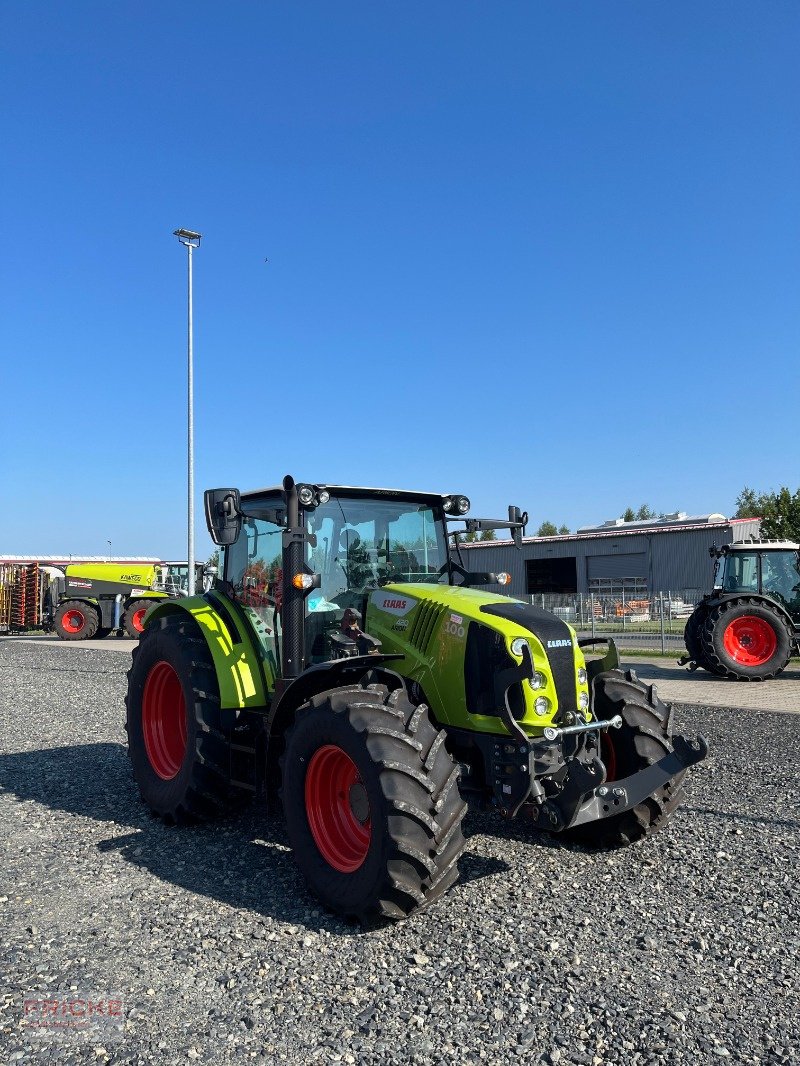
<point x="188" y="236"/>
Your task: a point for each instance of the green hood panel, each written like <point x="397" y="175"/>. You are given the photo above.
<point x="429" y="625"/>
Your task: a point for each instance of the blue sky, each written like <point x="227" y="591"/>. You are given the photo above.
<point x="544" y="253"/>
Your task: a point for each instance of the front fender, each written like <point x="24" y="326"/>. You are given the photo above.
<point x="237" y="662"/>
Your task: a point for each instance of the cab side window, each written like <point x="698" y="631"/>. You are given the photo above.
<point x="253" y="569"/>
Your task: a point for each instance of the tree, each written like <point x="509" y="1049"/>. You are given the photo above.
<point x="546" y="529"/>
<point x="644" y="513"/>
<point x="563" y="531"/>
<point x="488" y="534"/>
<point x="779" y="512"/>
<point x="213" y="559"/>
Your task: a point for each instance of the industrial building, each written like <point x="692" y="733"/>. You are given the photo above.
<point x="626" y="560"/>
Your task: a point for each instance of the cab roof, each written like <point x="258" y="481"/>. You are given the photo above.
<point x="434" y="498"/>
<point x="763" y="545"/>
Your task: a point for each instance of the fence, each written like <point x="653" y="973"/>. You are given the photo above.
<point x="652" y="621"/>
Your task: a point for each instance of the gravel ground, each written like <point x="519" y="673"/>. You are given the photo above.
<point x="683" y="948"/>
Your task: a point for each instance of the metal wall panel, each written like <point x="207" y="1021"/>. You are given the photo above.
<point x="676" y="558"/>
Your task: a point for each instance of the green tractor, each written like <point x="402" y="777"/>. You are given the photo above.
<point x="346" y="659"/>
<point x="748" y="627"/>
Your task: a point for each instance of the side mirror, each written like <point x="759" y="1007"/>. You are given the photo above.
<point x="223" y="515"/>
<point x="518" y="520"/>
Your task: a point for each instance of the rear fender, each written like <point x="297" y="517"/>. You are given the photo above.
<point x="726" y="597"/>
<point x="238" y="664"/>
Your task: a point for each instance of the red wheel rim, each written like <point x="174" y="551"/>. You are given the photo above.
<point x="137" y="619"/>
<point x="164" y="720"/>
<point x="608" y="755"/>
<point x="337" y="809"/>
<point x="750" y="640"/>
<point x="73" y="620"/>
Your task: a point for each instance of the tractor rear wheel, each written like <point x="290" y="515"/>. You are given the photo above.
<point x="746" y="640"/>
<point x="76" y="620"/>
<point x="372" y="805"/>
<point x="133" y="619"/>
<point x="178" y="748"/>
<point x="644" y="738"/>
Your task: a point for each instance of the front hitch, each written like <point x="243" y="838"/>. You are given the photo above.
<point x="584" y="800"/>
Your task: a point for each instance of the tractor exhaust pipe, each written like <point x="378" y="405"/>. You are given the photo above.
<point x="293" y="611"/>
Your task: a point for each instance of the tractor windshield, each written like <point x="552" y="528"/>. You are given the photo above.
<point x="369" y="541"/>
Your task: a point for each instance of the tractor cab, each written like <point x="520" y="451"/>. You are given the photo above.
<point x="761" y="568"/>
<point x="348" y="543"/>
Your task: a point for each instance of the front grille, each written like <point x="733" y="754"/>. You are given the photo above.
<point x="424" y="625"/>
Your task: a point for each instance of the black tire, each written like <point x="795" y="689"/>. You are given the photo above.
<point x="407" y="790"/>
<point x="691" y="638"/>
<point x="170" y="662"/>
<point x="720" y="646"/>
<point x="132" y="619"/>
<point x="76" y="620"/>
<point x="644" y="738"/>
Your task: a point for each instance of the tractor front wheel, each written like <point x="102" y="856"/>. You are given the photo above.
<point x="692" y="639"/>
<point x="746" y="640"/>
<point x="644" y="738"/>
<point x="372" y="805"/>
<point x="76" y="620"/>
<point x="133" y="619"/>
<point x="178" y="748"/>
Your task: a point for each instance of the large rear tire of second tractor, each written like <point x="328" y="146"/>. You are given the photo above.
<point x="746" y="639"/>
<point x="644" y="738"/>
<point x="372" y="804"/>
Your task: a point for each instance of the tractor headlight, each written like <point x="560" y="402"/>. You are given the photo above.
<point x="542" y="705"/>
<point x="537" y="681"/>
<point x="305" y="495"/>
<point x="518" y="645"/>
<point x="583" y="701"/>
<point x="581" y="676"/>
<point x="324" y="496"/>
<point x="462" y="504"/>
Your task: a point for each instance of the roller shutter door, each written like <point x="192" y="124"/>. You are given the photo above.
<point x="617" y="566"/>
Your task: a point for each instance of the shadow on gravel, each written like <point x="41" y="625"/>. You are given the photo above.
<point x="244" y="862"/>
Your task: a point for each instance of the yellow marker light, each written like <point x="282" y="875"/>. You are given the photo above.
<point x="302" y="581"/>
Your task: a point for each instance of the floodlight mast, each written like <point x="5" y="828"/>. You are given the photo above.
<point x="191" y="240"/>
